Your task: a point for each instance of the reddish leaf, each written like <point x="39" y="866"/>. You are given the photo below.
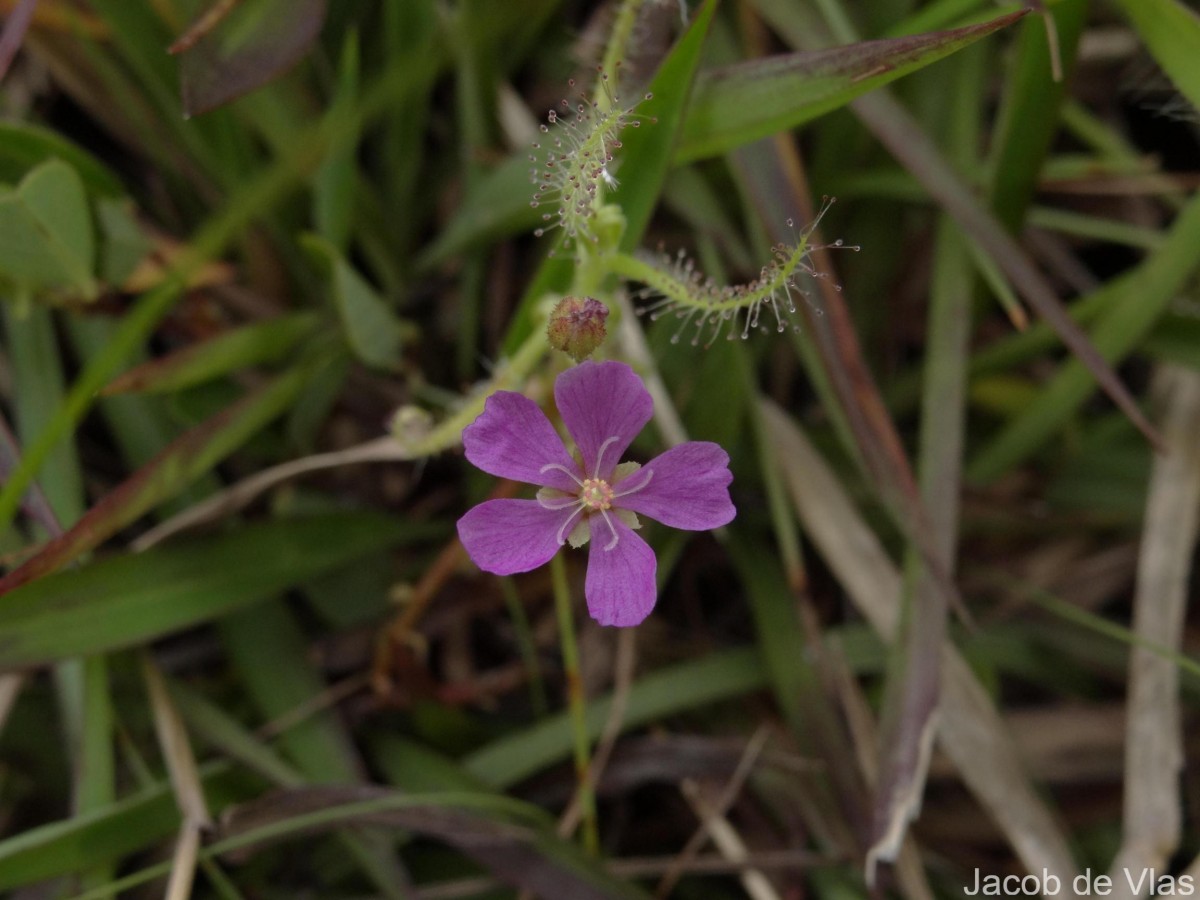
<point x="233" y="49"/>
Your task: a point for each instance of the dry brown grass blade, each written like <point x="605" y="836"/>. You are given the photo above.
<point x="176" y="748"/>
<point x="707" y="812"/>
<point x="909" y="869"/>
<point x="10" y="689"/>
<point x="970" y="730"/>
<point x="14" y="32"/>
<point x="183" y="863"/>
<point x="904" y="138"/>
<point x="777" y="178"/>
<point x="1153" y="730"/>
<point x="235" y="497"/>
<point x="185" y="781"/>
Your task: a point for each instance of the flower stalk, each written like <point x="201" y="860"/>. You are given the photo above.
<point x="576" y="703"/>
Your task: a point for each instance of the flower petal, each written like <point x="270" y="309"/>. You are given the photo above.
<point x="620" y="586"/>
<point x="689" y="487"/>
<point x="508" y="536"/>
<point x="599" y="401"/>
<point x="512" y="438"/>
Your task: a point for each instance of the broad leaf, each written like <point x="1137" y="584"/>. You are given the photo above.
<point x="46" y="235"/>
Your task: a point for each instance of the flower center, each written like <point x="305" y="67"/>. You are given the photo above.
<point x="596" y="494"/>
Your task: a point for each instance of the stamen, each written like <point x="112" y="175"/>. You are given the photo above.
<point x="567" y="525"/>
<point x="634" y="490"/>
<point x="611" y="527"/>
<point x="548" y="466"/>
<point x="600" y="454"/>
<point x="558" y="502"/>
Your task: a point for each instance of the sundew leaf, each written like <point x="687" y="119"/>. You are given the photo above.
<point x="133" y="598"/>
<point x="254" y="42"/>
<point x="766" y="102"/>
<point x="374" y="334"/>
<point x="645" y="158"/>
<point x="747" y="101"/>
<point x="1172" y="32"/>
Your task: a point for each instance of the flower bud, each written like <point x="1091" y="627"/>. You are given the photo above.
<point x="577" y="326"/>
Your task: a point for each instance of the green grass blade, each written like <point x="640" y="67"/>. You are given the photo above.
<point x="718" y="676"/>
<point x="185" y="460"/>
<point x="1117" y="332"/>
<point x="1030" y="113"/>
<point x="72" y="845"/>
<point x="319" y="745"/>
<point x="130" y="599"/>
<point x="751" y="100"/>
<point x="1172" y="32"/>
<point x="251" y="345"/>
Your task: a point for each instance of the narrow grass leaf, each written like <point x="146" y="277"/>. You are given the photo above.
<point x="84" y="841"/>
<point x="750" y="100"/>
<point x="912" y="690"/>
<point x="131" y="599"/>
<point x="1172" y="32"/>
<point x="175" y="747"/>
<point x="251" y="345"/>
<point x="24" y="146"/>
<point x="1134" y="309"/>
<point x="333" y="184"/>
<point x="216" y="727"/>
<point x="495" y="206"/>
<point x="1029" y="115"/>
<point x="1154" y="746"/>
<point x="509" y="838"/>
<point x="718" y="676"/>
<point x="186" y="459"/>
<point x="319" y="743"/>
<point x="970" y="729"/>
<point x="35" y="504"/>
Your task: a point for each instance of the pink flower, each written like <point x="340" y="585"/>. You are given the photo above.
<point x="604" y="406"/>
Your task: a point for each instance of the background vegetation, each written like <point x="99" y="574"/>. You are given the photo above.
<point x="254" y="288"/>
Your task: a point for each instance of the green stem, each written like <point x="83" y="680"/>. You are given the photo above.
<point x="618" y="43"/>
<point x="576" y="702"/>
